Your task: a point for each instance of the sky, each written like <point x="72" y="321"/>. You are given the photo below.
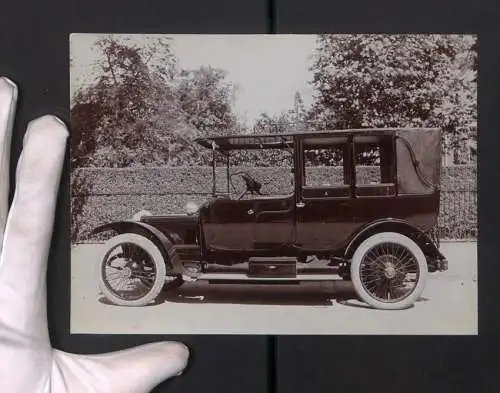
<point x="268" y="69"/>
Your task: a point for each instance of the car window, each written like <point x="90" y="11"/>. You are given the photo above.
<point x="324" y="166"/>
<point x="374" y="162"/>
<point x="272" y="168"/>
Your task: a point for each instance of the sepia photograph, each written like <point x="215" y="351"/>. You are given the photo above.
<point x="274" y="184"/>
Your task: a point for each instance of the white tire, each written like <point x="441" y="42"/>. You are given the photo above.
<point x="156" y="280"/>
<point x="375" y="263"/>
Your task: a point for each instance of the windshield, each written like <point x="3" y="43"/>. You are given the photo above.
<point x="250" y="173"/>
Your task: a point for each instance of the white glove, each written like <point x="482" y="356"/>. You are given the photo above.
<point x="28" y="363"/>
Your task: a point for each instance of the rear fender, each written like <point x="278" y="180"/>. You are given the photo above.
<point x="165" y="243"/>
<point x="427" y="246"/>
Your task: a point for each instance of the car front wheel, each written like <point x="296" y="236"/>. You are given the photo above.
<point x="389" y="271"/>
<point x="132" y="271"/>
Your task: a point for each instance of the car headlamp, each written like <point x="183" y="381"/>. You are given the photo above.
<point x="191" y="208"/>
<point x="137" y="216"/>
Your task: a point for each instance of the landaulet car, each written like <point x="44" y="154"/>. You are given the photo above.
<point x="379" y="234"/>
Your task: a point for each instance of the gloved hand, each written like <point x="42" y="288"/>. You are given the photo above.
<point x="28" y="363"/>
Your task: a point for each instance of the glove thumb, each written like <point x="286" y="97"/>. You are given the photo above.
<point x="135" y="370"/>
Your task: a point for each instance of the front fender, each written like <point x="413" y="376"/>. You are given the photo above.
<point x="135" y="227"/>
<point x="164" y="243"/>
<point x="395" y="225"/>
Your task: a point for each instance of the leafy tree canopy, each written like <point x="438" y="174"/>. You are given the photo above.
<point x="397" y="81"/>
<point x="143" y="110"/>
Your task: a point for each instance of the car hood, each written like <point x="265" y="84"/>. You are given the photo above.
<point x="177" y="219"/>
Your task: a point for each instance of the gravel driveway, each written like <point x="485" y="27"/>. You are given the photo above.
<point x="448" y="305"/>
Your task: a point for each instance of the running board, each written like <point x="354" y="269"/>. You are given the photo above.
<point x="243" y="270"/>
<point x="264" y="268"/>
<point x="235" y="277"/>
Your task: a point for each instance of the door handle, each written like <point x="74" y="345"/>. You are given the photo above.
<point x="251" y="211"/>
<point x="300" y="204"/>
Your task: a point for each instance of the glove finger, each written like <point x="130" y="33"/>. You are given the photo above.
<point x="134" y="370"/>
<point x="29" y="227"/>
<point x="8" y="100"/>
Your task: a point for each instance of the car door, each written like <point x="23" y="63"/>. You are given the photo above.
<point x="324" y="218"/>
<point x="324" y="214"/>
<point x="274" y="222"/>
<point x="228" y="225"/>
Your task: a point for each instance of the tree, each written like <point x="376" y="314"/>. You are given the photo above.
<point x="141" y="109"/>
<point x="265" y="124"/>
<point x="457" y="114"/>
<point x="84" y="117"/>
<point x="396" y="81"/>
<point x="205" y="100"/>
<point x="299" y="114"/>
<point x="131" y="81"/>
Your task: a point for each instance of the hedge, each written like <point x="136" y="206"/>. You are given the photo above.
<point x="101" y="195"/>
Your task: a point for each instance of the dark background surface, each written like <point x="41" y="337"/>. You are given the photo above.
<point x="34" y="52"/>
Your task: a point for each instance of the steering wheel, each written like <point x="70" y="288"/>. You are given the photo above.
<point x="252" y="186"/>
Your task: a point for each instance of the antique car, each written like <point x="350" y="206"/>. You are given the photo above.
<point x="376" y="231"/>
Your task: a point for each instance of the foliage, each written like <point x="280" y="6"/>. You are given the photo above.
<point x="143" y="110"/>
<point x="119" y="193"/>
<point x="397" y="81"/>
<point x="205" y="99"/>
<point x="81" y="188"/>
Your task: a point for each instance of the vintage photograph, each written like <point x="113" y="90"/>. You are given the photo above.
<point x="274" y="184"/>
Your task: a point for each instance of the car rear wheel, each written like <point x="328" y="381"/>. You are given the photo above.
<point x="132" y="271"/>
<point x="389" y="271"/>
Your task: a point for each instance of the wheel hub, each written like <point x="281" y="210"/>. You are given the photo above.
<point x="389" y="270"/>
<point x="125" y="272"/>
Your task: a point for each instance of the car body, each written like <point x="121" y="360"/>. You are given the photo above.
<point x="377" y="233"/>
